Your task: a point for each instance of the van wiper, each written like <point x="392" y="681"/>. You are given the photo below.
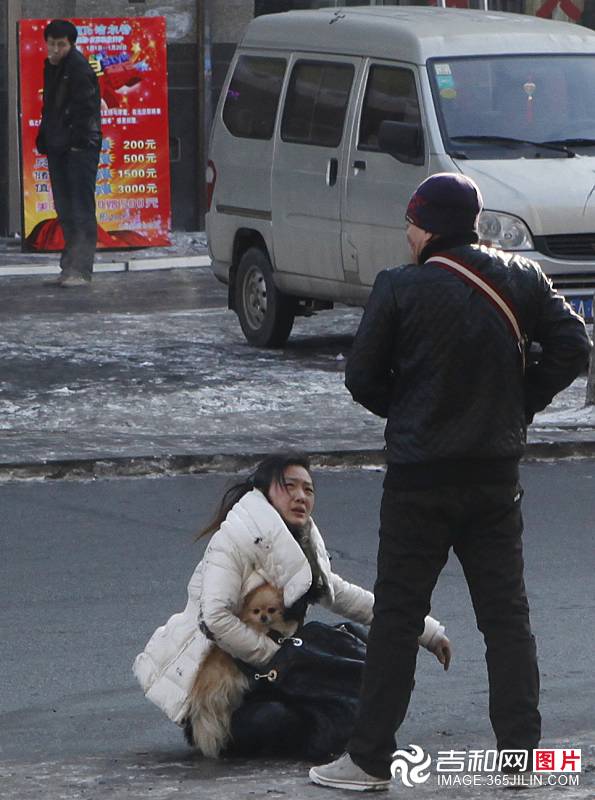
<point x="559" y="147"/>
<point x="577" y="142"/>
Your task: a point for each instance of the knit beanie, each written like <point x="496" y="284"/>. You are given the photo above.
<point x="445" y="203"/>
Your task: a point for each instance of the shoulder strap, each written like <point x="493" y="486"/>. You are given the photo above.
<point x="477" y="281"/>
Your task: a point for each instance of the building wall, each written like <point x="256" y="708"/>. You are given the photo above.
<point x="201" y="39"/>
<point x="184" y="66"/>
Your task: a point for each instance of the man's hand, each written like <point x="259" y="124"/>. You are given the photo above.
<point x="443" y="651"/>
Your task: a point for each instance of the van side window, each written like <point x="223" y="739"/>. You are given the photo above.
<point x="390" y="95"/>
<point x="316" y="103"/>
<point x="253" y="96"/>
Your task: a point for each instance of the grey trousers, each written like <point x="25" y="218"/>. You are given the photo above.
<point x="73" y="175"/>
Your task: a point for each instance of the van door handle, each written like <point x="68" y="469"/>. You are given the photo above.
<point x="359" y="164"/>
<point x="331" y="172"/>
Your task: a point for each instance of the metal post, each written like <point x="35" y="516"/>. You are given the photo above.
<point x="590" y="397"/>
<point x="200" y="89"/>
<point x="205" y="114"/>
<point x="14" y="183"/>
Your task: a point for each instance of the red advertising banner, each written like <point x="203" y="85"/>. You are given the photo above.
<point x="133" y="194"/>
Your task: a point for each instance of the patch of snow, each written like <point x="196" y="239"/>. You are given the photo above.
<point x="62" y="390"/>
<point x="568" y="408"/>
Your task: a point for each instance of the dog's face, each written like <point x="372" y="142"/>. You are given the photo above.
<point x="263" y="608"/>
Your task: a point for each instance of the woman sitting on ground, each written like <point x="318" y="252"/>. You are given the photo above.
<point x="263" y="533"/>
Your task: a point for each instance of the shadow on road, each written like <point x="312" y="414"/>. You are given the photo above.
<point x="319" y="345"/>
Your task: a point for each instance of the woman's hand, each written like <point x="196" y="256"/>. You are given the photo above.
<point x="443" y="651"/>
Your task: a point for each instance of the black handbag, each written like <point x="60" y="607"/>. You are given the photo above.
<point x="317" y="672"/>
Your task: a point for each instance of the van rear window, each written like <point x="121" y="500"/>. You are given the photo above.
<point x="316" y="103"/>
<point x="253" y="96"/>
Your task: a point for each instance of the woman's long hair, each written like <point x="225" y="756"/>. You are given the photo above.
<point x="270" y="470"/>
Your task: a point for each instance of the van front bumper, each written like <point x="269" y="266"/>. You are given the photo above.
<point x="575" y="279"/>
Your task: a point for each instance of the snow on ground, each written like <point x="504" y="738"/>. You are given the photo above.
<point x="141" y="371"/>
<point x="568" y="409"/>
<point x="190" y="378"/>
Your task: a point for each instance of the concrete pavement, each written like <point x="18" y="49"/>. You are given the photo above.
<point x="147" y="371"/>
<point x="188" y="777"/>
<point x="187" y="250"/>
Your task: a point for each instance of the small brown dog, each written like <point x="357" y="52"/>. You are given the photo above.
<point x="219" y="686"/>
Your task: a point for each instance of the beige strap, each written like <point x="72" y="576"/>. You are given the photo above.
<point x="471" y="277"/>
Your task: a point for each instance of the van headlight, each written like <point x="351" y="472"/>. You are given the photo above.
<point x="504" y="231"/>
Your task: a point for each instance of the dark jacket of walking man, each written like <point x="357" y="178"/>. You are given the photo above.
<point x="70" y="135"/>
<point x="439" y="357"/>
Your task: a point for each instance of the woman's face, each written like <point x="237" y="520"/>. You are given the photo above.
<point x="295" y="500"/>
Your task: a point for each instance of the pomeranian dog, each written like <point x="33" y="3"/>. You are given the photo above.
<point x="219" y="686"/>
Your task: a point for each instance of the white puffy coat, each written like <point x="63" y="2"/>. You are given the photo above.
<point x="253" y="546"/>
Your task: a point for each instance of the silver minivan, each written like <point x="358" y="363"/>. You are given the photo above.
<point x="329" y="119"/>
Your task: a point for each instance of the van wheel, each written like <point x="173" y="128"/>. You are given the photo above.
<point x="266" y="315"/>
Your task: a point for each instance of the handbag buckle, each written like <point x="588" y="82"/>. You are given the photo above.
<point x="295" y="640"/>
<point x="269" y="676"/>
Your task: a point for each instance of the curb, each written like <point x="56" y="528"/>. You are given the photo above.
<point x="180" y="464"/>
<point x="130" y="265"/>
<point x="197" y="463"/>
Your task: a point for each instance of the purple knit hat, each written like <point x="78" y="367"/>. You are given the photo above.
<point x="445" y="203"/>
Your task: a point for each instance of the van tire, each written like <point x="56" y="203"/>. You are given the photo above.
<point x="266" y="314"/>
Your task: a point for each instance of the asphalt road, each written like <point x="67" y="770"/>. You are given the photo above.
<point x="89" y="569"/>
<point x="114" y="293"/>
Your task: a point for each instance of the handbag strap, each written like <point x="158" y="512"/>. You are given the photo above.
<point x="478" y="282"/>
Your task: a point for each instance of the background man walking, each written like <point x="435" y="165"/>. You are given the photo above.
<point x="70" y="135"/>
<point x="440" y="352"/>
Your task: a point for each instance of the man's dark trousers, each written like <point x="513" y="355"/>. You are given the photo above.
<point x="73" y="175"/>
<point x="483" y="523"/>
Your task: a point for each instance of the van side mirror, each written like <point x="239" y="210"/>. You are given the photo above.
<point x="402" y="140"/>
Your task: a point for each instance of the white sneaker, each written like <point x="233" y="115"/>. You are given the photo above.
<point x="72" y="280"/>
<point x="344" y="774"/>
<point x="54" y="281"/>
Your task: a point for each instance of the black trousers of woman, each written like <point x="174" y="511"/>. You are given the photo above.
<point x="262" y="727"/>
<point x="483" y="524"/>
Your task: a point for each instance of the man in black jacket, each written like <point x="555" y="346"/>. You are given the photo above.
<point x="70" y="135"/>
<point x="442" y="358"/>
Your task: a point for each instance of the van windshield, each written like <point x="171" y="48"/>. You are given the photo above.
<point x="527" y="106"/>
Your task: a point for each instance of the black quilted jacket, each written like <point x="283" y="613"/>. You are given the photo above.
<point x="71" y="113"/>
<point x="435" y="358"/>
